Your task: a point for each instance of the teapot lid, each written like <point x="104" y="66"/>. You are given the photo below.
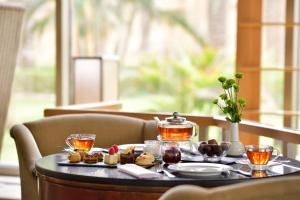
<point x="176" y="119"/>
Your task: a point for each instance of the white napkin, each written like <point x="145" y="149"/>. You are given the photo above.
<point x="138" y="171"/>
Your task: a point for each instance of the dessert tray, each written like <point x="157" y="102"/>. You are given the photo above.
<point x="200" y="169"/>
<point x="83" y="164"/>
<point x="98" y="164"/>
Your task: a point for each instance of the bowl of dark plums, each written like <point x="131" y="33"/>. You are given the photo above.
<point x="212" y="151"/>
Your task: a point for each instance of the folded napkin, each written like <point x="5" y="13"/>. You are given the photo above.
<point x="138" y="171"/>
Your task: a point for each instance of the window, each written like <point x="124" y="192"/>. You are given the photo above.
<point x="268" y="54"/>
<point x="170" y="52"/>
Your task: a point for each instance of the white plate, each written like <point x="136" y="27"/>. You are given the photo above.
<point x="200" y="169"/>
<point x="138" y="147"/>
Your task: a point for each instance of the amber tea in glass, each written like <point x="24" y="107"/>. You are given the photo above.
<point x="259" y="155"/>
<point x="176" y="133"/>
<point x="83" y="142"/>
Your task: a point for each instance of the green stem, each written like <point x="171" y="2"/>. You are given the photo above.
<point x="221" y="108"/>
<point x="241" y="110"/>
<point x="225" y="92"/>
<point x="235" y="96"/>
<point x="230" y="92"/>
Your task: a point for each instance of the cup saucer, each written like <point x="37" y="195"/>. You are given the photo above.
<point x="247" y="162"/>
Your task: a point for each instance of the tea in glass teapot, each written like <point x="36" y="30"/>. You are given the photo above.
<point x="176" y="128"/>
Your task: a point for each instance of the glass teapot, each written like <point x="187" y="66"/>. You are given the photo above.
<point x="176" y="128"/>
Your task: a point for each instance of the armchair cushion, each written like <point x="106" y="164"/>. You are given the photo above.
<point x="50" y="133"/>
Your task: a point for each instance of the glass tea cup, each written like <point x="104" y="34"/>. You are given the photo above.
<point x="153" y="147"/>
<point x="81" y="142"/>
<point x="260" y="155"/>
<point x="170" y="152"/>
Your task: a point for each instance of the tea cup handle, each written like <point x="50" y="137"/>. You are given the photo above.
<point x="196" y="127"/>
<point x="277" y="154"/>
<point x="67" y="140"/>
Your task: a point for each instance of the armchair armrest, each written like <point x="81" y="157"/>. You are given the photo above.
<point x="27" y="149"/>
<point x="28" y="153"/>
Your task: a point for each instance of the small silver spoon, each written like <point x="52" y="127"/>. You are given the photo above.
<point x="160" y="169"/>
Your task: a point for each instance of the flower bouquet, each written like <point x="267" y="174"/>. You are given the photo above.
<point x="232" y="107"/>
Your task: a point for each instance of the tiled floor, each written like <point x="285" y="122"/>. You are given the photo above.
<point x="10" y="188"/>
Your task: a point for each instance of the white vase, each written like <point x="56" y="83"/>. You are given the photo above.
<point x="236" y="148"/>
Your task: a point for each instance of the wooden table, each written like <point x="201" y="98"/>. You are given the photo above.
<point x="74" y="183"/>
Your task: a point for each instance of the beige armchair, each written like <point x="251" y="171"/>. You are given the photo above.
<point x="47" y="136"/>
<point x="285" y="188"/>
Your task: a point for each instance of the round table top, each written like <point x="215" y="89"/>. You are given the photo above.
<point x="48" y="166"/>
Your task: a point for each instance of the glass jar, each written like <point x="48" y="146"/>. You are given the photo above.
<point x="170" y="152"/>
<point x="153" y="147"/>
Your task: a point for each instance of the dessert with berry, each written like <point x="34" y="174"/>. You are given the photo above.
<point x="116" y="148"/>
<point x="112" y="157"/>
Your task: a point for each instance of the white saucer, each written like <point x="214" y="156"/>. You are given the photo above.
<point x="247" y="162"/>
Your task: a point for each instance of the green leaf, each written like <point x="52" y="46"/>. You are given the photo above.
<point x="222" y="79"/>
<point x="236" y="88"/>
<point x="238" y="75"/>
<point x="226" y="86"/>
<point x="215" y="101"/>
<point x="228" y="102"/>
<point x="242" y="101"/>
<point x="223" y="96"/>
<point x="230" y="82"/>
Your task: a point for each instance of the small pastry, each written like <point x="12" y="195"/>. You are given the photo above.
<point x="74" y="157"/>
<point x="100" y="156"/>
<point x="81" y="152"/>
<point x="129" y="150"/>
<point x="145" y="159"/>
<point x="111" y="158"/>
<point x="128" y="155"/>
<point x="116" y="148"/>
<point x="90" y="158"/>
